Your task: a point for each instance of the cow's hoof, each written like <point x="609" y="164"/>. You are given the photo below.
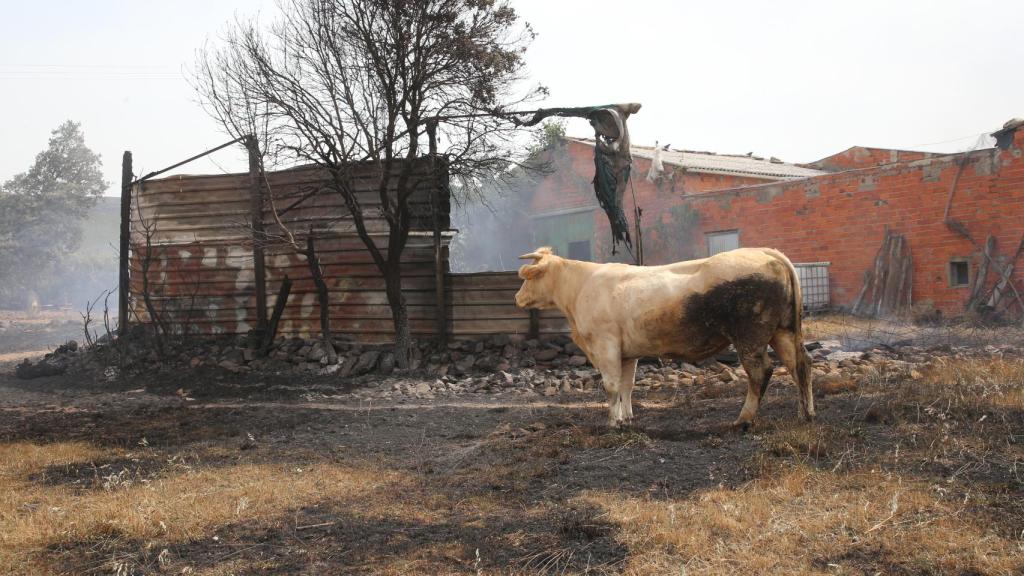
<point x="742" y="426"/>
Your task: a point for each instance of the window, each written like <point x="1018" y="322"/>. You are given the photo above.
<point x="560" y="231"/>
<point x="959" y="273"/>
<point x="723" y="241"/>
<point x="579" y="250"/>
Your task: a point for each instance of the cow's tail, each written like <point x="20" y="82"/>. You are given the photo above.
<point x="794" y="289"/>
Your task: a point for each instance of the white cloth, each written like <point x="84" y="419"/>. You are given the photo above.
<point x="657" y="168"/>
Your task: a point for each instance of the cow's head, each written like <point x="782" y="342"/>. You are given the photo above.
<point x="538" y="280"/>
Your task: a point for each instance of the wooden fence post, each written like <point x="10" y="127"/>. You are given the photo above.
<point x="258" y="235"/>
<point x="534" y="333"/>
<point x="439" y="268"/>
<point x="123" y="281"/>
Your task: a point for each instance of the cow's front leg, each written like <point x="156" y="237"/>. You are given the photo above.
<point x="606" y="358"/>
<point x="626" y="389"/>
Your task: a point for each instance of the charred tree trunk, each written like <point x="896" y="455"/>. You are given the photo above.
<point x="399" y="312"/>
<point x="322" y="298"/>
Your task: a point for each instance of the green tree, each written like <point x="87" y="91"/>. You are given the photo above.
<point x="41" y="211"/>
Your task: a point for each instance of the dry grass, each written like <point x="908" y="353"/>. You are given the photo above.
<point x="182" y="507"/>
<point x="869" y="332"/>
<point x="969" y="386"/>
<point x="804" y="521"/>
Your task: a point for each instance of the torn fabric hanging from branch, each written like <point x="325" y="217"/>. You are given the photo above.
<point x="612" y="159"/>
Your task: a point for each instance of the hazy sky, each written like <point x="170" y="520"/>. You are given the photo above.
<point x="796" y="80"/>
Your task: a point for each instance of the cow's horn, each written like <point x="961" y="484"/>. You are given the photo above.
<point x="537" y="254"/>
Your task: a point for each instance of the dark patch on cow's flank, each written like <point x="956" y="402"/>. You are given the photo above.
<point x="747" y="310"/>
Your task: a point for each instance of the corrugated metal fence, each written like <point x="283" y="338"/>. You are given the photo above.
<point x="197" y="265"/>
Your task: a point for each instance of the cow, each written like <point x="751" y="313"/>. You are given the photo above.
<point x="691" y="310"/>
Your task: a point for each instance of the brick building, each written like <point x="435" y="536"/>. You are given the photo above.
<point x="835" y="210"/>
<point x="564" y="212"/>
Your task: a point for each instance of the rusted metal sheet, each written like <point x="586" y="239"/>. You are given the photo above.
<point x="199" y="261"/>
<point x="199" y="255"/>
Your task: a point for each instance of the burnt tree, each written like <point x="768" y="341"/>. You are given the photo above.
<point x="338" y="83"/>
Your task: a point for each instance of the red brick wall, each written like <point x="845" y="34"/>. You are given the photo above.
<point x="861" y="157"/>
<point x="841" y="218"/>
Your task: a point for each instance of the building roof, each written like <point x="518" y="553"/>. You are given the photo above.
<point x="727" y="164"/>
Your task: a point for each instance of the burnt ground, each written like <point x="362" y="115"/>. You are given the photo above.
<point x="466" y="447"/>
<point x="494" y="484"/>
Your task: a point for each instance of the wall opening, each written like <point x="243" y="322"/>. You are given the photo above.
<point x="723" y="241"/>
<point x="580" y="250"/>
<point x="959" y="273"/>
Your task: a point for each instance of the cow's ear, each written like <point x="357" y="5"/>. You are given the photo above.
<point x="531" y="271"/>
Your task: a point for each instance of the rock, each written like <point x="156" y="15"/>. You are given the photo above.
<point x="235" y="356"/>
<point x="488" y="362"/>
<point x="508" y="378"/>
<point x="465" y="364"/>
<point x="316" y="353"/>
<point x="578" y="360"/>
<point x="421" y="388"/>
<point x="48" y="366"/>
<point x="573" y="349"/>
<point x="366" y="363"/>
<point x="228" y="365"/>
<point x="499" y="341"/>
<point x="195" y="362"/>
<point x="550" y="391"/>
<point x="248" y="355"/>
<point x="840" y="355"/>
<point x="546" y="355"/>
<point x="834" y="383"/>
<point x="566" y="386"/>
<point x="387" y="363"/>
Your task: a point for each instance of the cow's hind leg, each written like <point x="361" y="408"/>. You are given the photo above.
<point x="759" y="370"/>
<point x="628" y="379"/>
<point x="794" y="356"/>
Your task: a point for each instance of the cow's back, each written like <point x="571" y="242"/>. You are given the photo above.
<point x="690" y="309"/>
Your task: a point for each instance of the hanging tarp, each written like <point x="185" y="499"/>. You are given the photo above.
<point x="612" y="159"/>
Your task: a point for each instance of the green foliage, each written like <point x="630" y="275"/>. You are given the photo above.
<point x="550" y="134"/>
<point x="41" y="212"/>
